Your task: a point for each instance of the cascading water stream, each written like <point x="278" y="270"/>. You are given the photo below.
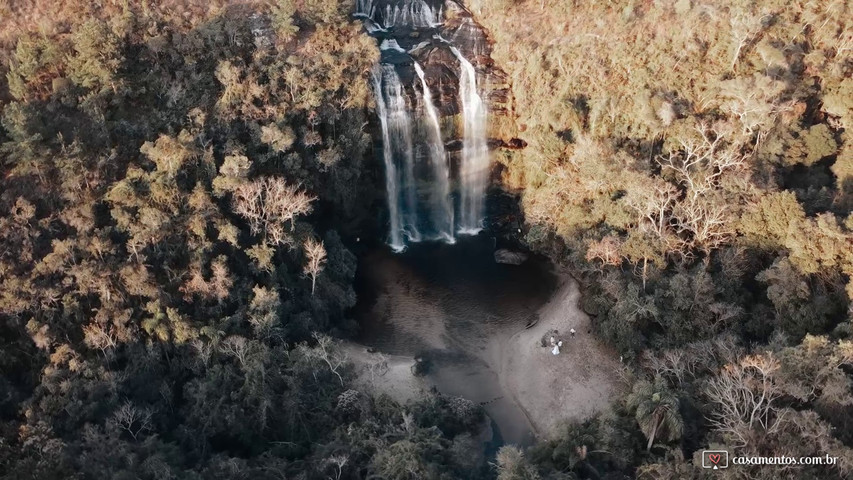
<point x="440" y="201"/>
<point x="392" y="176"/>
<point x="414" y="14"/>
<point x="398" y="155"/>
<point x="474" y="171"/>
<point x="401" y="140"/>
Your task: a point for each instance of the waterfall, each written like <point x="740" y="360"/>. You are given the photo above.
<point x="416" y="14"/>
<point x="421" y="193"/>
<point x="474" y="171"/>
<point x="364" y="9"/>
<point x="440" y="201"/>
<point x="398" y="156"/>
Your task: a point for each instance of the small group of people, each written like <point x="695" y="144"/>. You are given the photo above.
<point x="557" y="344"/>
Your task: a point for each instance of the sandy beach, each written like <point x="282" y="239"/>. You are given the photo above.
<point x="552" y="389"/>
<point x="501" y="365"/>
<point x="381" y="373"/>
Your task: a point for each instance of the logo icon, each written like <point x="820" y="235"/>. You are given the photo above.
<point x="715" y="459"/>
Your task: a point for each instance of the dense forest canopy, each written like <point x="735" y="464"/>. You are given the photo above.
<point x="174" y="180"/>
<point x="692" y="162"/>
<point x="182" y="185"/>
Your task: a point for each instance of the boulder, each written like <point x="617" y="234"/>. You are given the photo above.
<point x="509" y="257"/>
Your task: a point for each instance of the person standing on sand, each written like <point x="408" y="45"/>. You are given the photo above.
<point x="556" y="350"/>
<point x="572" y="332"/>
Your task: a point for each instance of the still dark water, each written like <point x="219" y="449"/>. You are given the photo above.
<point x="452" y="305"/>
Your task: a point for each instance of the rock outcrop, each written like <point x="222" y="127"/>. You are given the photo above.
<point x="510" y="257"/>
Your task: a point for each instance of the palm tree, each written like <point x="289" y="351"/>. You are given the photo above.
<point x="656" y="410"/>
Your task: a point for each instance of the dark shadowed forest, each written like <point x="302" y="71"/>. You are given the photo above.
<point x="186" y="188"/>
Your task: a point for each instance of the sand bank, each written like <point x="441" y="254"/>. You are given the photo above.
<point x="520" y="383"/>
<point x="552" y="389"/>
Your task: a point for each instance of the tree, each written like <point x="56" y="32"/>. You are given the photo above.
<point x="315" y="254"/>
<point x="264" y="310"/>
<point x="707" y="222"/>
<point x="98" y="56"/>
<point x="326" y="352"/>
<point x="606" y="250"/>
<point x="100" y="337"/>
<point x="754" y="100"/>
<point x="678" y="364"/>
<point x="656" y="410"/>
<point x="698" y="164"/>
<point x="814" y="371"/>
<point x="745" y="26"/>
<point x="171" y="154"/>
<point x="653" y="201"/>
<point x="133" y="339"/>
<point x="283" y="12"/>
<point x="744" y="396"/>
<point x="217" y="287"/>
<point x="512" y="465"/>
<point x="280" y="139"/>
<point x="267" y="203"/>
<point x="232" y="174"/>
<point x="132" y="419"/>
